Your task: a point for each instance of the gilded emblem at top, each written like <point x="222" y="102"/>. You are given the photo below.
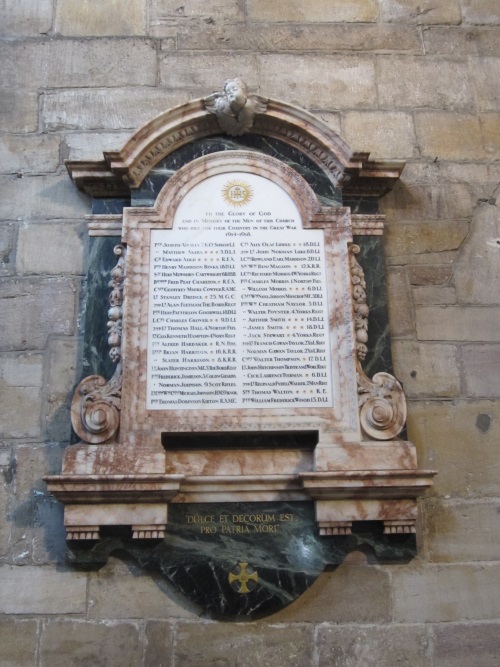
<point x="237" y="193"/>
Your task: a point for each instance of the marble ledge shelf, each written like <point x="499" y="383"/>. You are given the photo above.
<point x="147" y="488"/>
<point x="105" y="224"/>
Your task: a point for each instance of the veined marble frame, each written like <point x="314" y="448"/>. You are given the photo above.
<point x="352" y="476"/>
<point x="139" y="426"/>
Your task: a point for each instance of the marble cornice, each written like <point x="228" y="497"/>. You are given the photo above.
<point x="122" y="170"/>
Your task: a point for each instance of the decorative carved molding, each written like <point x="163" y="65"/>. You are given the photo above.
<point x="328" y="528"/>
<point x="148" y="532"/>
<point x="398" y="527"/>
<point x="360" y="305"/>
<point x="367" y="225"/>
<point x="127" y="168"/>
<point x="95" y="410"/>
<point x="104" y="224"/>
<point x="115" y="312"/>
<point x="82" y="532"/>
<point x="234" y="108"/>
<point x="382" y="405"/>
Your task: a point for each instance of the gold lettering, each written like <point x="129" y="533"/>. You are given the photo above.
<point x="265" y="528"/>
<point x="198" y="518"/>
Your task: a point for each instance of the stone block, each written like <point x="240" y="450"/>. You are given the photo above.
<point x="310" y="37"/>
<point x="427" y="369"/>
<point x="328" y="82"/>
<point x="445" y="12"/>
<point x="36" y="154"/>
<point x="449" y="136"/>
<point x="461" y="530"/>
<point x="386" y="135"/>
<point x="111" y="644"/>
<point x="481" y="12"/>
<point x="321" y="11"/>
<point x="33" y="462"/>
<point x="186" y="71"/>
<point x="391" y="646"/>
<point x="478" y="267"/>
<point x="41" y="590"/>
<point x="62" y="245"/>
<point x="113" y="109"/>
<point x="87" y="18"/>
<point x="441" y="593"/>
<point x="20" y="395"/>
<point x="430" y="275"/>
<point x="448" y="257"/>
<point x="462" y="41"/>
<point x="481" y="365"/>
<point x="331" y="119"/>
<point x="5" y="500"/>
<point x="490" y="127"/>
<point x="8" y="233"/>
<point x="18" y="110"/>
<point x="170" y="11"/>
<point x="78" y="62"/>
<point x="49" y="545"/>
<point x="460" y="440"/>
<point x="124" y="590"/>
<point x="159" y="644"/>
<point x="18" y="640"/>
<point x="427" y="202"/>
<point x="25" y="17"/>
<point x="200" y="644"/>
<point x="434" y="295"/>
<point x="415" y="238"/>
<point x="455" y="645"/>
<point x="352" y="593"/>
<point x="463" y="172"/>
<point x="420" y="173"/>
<point x="409" y="82"/>
<point x="37" y="527"/>
<point x="485" y="77"/>
<point x="60" y="383"/>
<point x="31" y="310"/>
<point x="91" y="145"/>
<point x="400" y="302"/>
<point x="459" y="199"/>
<point x="47" y="197"/>
<point x="460" y="323"/>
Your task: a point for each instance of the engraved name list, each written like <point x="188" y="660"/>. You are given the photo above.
<point x="238" y="308"/>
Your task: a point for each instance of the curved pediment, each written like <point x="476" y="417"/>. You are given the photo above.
<point x="122" y="170"/>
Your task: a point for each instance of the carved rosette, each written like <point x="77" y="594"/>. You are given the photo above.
<point x="382" y="405"/>
<point x="95" y="410"/>
<point x="359" y="302"/>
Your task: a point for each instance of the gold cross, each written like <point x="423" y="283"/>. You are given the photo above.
<point x="243" y="577"/>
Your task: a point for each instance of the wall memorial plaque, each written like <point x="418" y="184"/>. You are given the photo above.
<point x="239" y="436"/>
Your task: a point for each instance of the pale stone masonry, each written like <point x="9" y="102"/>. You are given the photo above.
<point x="403" y="79"/>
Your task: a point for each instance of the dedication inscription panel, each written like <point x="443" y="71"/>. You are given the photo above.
<point x="238" y="303"/>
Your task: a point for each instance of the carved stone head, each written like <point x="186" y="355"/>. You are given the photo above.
<point x="236" y="93"/>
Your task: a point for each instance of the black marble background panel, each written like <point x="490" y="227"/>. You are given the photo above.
<point x="146" y="194"/>
<point x="287" y="562"/>
<point x="102" y="259"/>
<point x="108" y="206"/>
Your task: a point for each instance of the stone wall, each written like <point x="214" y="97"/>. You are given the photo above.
<point x="417" y="80"/>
